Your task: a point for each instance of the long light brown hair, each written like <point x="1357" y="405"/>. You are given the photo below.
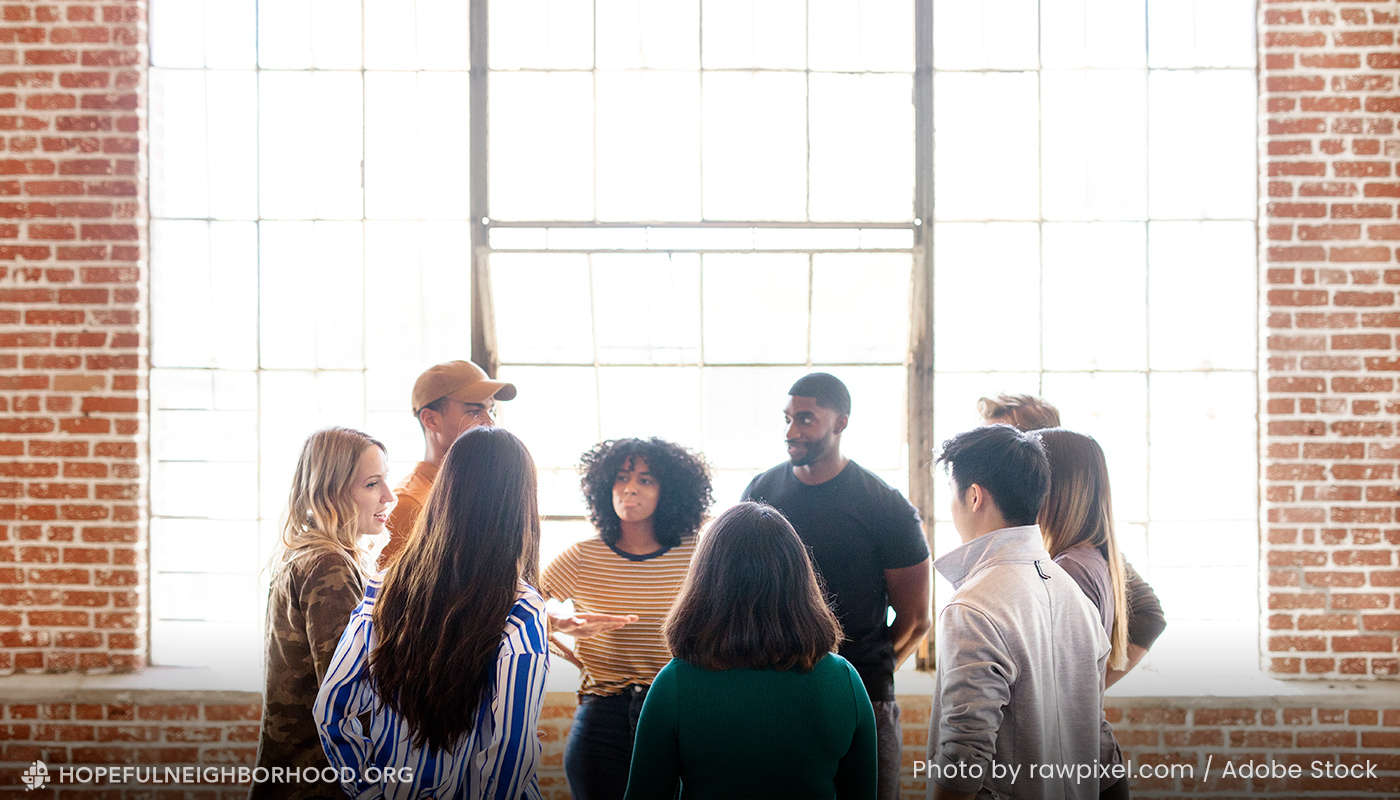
<point x="1079" y="511"/>
<point x="320" y="512"/>
<point x="751" y="599"/>
<point x="445" y="602"/>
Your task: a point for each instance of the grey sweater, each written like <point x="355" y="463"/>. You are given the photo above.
<point x="1021" y="655"/>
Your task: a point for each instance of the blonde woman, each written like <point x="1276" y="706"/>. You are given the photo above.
<point x="340" y="497"/>
<point x="1076" y="521"/>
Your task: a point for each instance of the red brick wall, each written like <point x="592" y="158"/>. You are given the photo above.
<point x="1329" y="99"/>
<point x="72" y="347"/>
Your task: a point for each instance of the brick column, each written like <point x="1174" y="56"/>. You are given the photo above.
<point x="1331" y="407"/>
<point x="72" y="340"/>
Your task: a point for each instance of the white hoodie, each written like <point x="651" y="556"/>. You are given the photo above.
<point x="1018" y="695"/>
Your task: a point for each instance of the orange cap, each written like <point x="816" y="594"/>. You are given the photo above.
<point x="459" y="380"/>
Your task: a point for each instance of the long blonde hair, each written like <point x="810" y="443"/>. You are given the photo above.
<point x="320" y="513"/>
<point x="1079" y="511"/>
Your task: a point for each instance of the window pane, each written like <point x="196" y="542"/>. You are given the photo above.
<point x="1202" y="133"/>
<point x="541" y="136"/>
<point x="444" y="183"/>
<point x="183" y="545"/>
<point x="986" y="34"/>
<point x="204" y="435"/>
<point x="744" y="431"/>
<point x="284" y="34"/>
<point x="309" y="145"/>
<point x="647" y="308"/>
<point x="1203" y="434"/>
<point x="555" y="414"/>
<point x="335" y="32"/>
<point x="541" y="34"/>
<point x="1192" y="329"/>
<point x="651" y="401"/>
<point x="392" y="168"/>
<point x="421" y="311"/>
<point x="1000" y="259"/>
<point x="233" y="175"/>
<point x="1201" y="33"/>
<point x="179" y="140"/>
<point x="177" y="33"/>
<point x="530" y="289"/>
<point x="875" y="437"/>
<point x="287" y="334"/>
<point x="755" y="308"/>
<point x="868" y="35"/>
<point x="755" y="146"/>
<point x="204" y="489"/>
<point x="1092" y="33"/>
<point x="444" y="321"/>
<point x="862" y="138"/>
<point x="391" y="27"/>
<point x="294" y="405"/>
<point x="986" y="165"/>
<point x="1095" y="295"/>
<point x="1094" y="141"/>
<point x="860" y="307"/>
<point x="230" y="34"/>
<point x="754" y="34"/>
<point x="1112" y="408"/>
<point x="1180" y="544"/>
<point x="204" y="294"/>
<point x="648" y="145"/>
<point x="636" y="34"/>
<point x="338" y="302"/>
<point x="443" y="30"/>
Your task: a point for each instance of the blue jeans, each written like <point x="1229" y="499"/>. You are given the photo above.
<point x="598" y="753"/>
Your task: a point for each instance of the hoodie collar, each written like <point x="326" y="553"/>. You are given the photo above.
<point x="1022" y="544"/>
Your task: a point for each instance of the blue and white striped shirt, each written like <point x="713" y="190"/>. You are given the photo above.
<point x="497" y="759"/>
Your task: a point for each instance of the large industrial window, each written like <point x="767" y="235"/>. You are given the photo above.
<point x="1096" y="176"/>
<point x="684" y="206"/>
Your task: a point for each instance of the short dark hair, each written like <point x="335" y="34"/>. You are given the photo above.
<point x="439" y="405"/>
<point x="683" y="476"/>
<point x="826" y="389"/>
<point x="1009" y="463"/>
<point x="752" y="599"/>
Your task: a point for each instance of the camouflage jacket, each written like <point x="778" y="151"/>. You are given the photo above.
<point x="308" y="607"/>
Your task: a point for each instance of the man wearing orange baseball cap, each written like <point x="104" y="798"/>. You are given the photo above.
<point x="448" y="400"/>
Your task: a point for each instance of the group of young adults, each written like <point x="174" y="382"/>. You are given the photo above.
<point x="754" y="660"/>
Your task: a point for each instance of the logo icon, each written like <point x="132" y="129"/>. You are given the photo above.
<point x="36" y="776"/>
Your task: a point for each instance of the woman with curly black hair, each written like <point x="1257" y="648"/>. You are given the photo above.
<point x="647" y="498"/>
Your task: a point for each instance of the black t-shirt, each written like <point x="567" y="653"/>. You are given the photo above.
<point x="856" y="526"/>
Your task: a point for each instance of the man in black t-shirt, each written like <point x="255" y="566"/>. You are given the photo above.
<point x="867" y="543"/>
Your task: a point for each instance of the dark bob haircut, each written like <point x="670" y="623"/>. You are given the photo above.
<point x="1008" y="463"/>
<point x="752" y="599"/>
<point x="683" y="476"/>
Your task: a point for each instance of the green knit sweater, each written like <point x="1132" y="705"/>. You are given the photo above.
<point x="755" y="733"/>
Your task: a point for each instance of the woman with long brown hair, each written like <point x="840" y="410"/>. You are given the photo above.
<point x="448" y="651"/>
<point x="339" y="500"/>
<point x="767" y="708"/>
<point x="1076" y="521"/>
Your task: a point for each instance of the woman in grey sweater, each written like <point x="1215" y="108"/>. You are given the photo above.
<point x="1076" y="521"/>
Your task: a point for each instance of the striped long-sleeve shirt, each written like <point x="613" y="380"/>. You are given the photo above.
<point x="603" y="580"/>
<point x="498" y="758"/>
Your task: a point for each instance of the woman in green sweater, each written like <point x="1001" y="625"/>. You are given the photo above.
<point x="755" y="703"/>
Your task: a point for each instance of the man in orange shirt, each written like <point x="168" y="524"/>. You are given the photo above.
<point x="448" y="400"/>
